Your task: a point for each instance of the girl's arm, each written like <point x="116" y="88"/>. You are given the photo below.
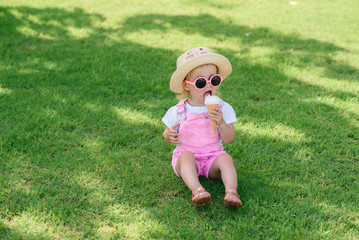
<point x="226" y="130"/>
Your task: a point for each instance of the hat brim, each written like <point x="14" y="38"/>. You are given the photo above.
<point x="224" y="69"/>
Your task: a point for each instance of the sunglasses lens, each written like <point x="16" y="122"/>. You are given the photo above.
<point x="216" y="80"/>
<point x="201" y="83"/>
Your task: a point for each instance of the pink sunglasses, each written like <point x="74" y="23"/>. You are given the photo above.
<point x="201" y="82"/>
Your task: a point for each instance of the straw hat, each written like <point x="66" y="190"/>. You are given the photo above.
<point x="196" y="57"/>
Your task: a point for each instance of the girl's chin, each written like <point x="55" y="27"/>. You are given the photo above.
<point x="197" y="102"/>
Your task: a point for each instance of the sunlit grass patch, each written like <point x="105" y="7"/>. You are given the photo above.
<point x="135" y="117"/>
<point x="5" y="90"/>
<point x="133" y="223"/>
<point x="35" y="224"/>
<point x="280" y="132"/>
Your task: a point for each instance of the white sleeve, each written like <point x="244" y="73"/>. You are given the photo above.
<point x="171" y="117"/>
<point x="229" y="116"/>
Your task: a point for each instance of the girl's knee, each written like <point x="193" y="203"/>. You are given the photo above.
<point x="225" y="162"/>
<point x="187" y="154"/>
<point x="226" y="158"/>
<point x="186" y="159"/>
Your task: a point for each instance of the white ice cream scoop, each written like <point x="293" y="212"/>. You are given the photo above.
<point x="212" y="102"/>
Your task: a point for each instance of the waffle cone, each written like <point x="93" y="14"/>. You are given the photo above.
<point x="213" y="122"/>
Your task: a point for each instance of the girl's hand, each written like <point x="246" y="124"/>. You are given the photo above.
<point x="226" y="130"/>
<point x="217" y="115"/>
<point x="171" y="134"/>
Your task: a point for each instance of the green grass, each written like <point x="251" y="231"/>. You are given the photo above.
<point x="83" y="88"/>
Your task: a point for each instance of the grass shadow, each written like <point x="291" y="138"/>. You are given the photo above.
<point x="292" y="48"/>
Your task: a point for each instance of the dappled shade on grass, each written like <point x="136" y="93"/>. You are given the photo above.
<point x="81" y="141"/>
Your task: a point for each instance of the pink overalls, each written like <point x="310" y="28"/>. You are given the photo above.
<point x="196" y="135"/>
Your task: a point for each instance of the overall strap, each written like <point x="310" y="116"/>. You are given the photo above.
<point x="181" y="108"/>
<point x="221" y="103"/>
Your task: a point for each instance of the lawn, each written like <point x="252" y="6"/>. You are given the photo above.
<point x="84" y="86"/>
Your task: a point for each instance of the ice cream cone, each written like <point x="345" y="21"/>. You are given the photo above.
<point x="213" y="122"/>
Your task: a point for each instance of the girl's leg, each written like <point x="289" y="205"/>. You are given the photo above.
<point x="187" y="169"/>
<point x="223" y="167"/>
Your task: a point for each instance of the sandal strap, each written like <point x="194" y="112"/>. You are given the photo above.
<point x="233" y="193"/>
<point x="198" y="191"/>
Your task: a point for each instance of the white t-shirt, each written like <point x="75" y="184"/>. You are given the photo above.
<point x="172" y="117"/>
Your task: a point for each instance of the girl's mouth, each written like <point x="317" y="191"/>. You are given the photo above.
<point x="208" y="93"/>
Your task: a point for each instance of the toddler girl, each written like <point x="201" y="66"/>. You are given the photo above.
<point x="199" y="149"/>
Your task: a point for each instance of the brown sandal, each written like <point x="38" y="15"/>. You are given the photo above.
<point x="200" y="197"/>
<point x="232" y="199"/>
